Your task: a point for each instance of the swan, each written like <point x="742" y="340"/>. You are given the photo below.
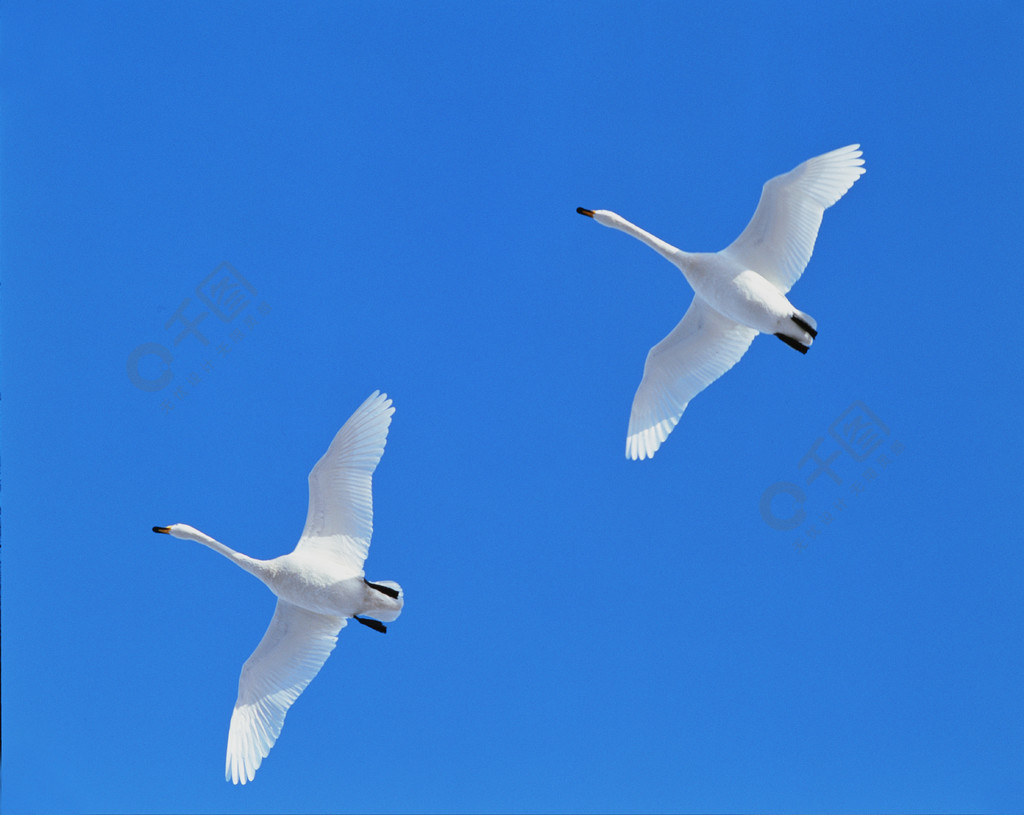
<point x="739" y="292"/>
<point x="319" y="587"/>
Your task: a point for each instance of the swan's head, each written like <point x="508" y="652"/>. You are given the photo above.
<point x="603" y="217"/>
<point x="183" y="531"/>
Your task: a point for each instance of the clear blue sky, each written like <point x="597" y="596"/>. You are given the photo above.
<point x="396" y="186"/>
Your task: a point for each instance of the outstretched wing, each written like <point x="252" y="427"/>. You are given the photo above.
<point x="291" y="653"/>
<point x="779" y="239"/>
<point x="702" y="347"/>
<point x="340" y="516"/>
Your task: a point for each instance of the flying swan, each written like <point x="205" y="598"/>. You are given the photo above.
<point x="319" y="587"/>
<point x="738" y="292"/>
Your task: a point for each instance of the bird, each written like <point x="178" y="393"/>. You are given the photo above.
<point x="739" y="292"/>
<point x="319" y="587"/>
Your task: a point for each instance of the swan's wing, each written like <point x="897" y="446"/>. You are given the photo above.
<point x="291" y="653"/>
<point x="702" y="347"/>
<point x="779" y="239"/>
<point x="340" y="517"/>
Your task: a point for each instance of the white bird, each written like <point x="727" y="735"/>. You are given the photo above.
<point x="319" y="586"/>
<point x="738" y="292"/>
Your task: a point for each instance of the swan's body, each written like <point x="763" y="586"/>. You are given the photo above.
<point x="319" y="586"/>
<point x="738" y="292"/>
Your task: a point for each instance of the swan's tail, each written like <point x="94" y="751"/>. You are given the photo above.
<point x="800" y="332"/>
<point x="391" y="597"/>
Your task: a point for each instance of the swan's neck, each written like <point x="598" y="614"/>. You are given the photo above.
<point x="250" y="564"/>
<point x="666" y="250"/>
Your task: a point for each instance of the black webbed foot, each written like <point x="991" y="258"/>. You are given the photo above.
<point x="390" y="592"/>
<point x="805" y="326"/>
<point x="376" y="625"/>
<point x="792" y="343"/>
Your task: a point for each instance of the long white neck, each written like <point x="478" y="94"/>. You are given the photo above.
<point x="250" y="564"/>
<point x="615" y="221"/>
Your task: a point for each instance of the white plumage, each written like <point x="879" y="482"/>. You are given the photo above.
<point x="319" y="586"/>
<point x="738" y="292"/>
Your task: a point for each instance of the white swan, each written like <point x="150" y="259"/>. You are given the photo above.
<point x="319" y="586"/>
<point x="738" y="292"/>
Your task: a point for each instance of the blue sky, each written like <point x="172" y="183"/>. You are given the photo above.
<point x="392" y="189"/>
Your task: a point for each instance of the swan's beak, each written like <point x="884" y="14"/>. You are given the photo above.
<point x="164" y="529"/>
<point x="588" y="212"/>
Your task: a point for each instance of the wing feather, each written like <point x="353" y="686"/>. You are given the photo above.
<point x="702" y="347"/>
<point x="291" y="653"/>
<point x="340" y="516"/>
<point x="779" y="240"/>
